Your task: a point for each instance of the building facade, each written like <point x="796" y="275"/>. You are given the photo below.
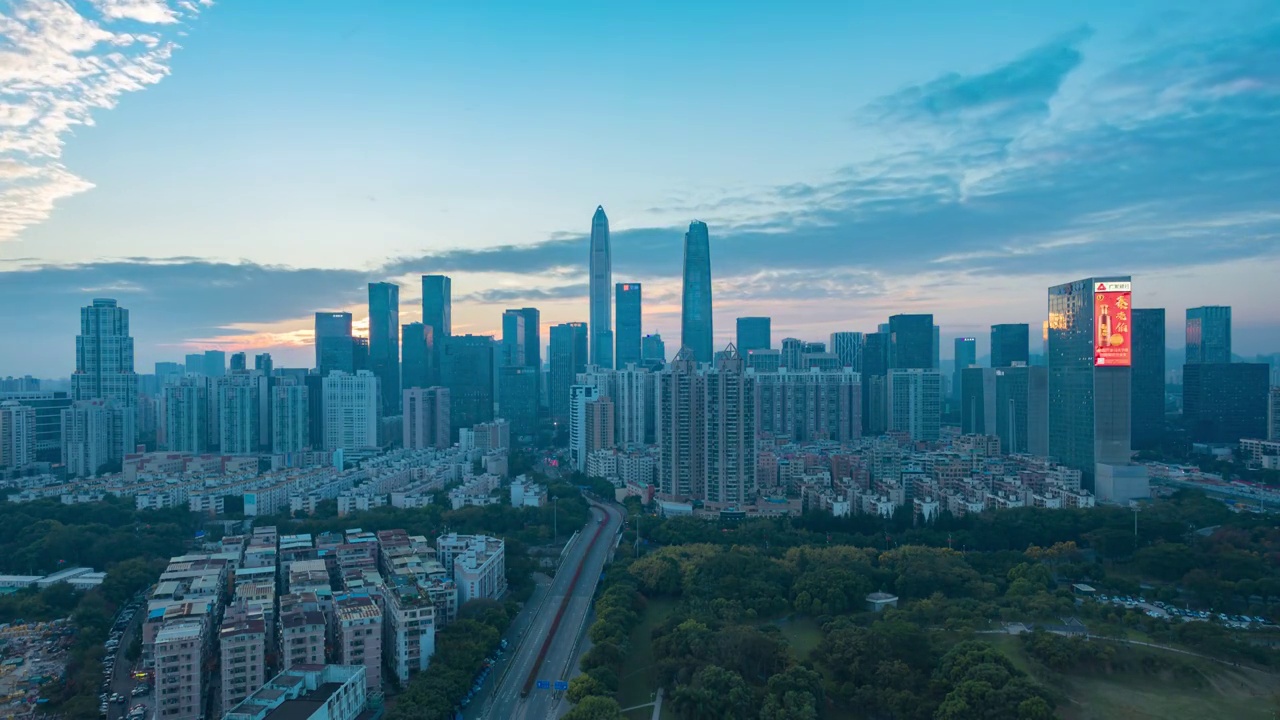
<point x="754" y="333"/>
<point x="335" y="348"/>
<point x="384" y="342"/>
<point x="1010" y="344"/>
<point x="290" y="417"/>
<point x="426" y="418"/>
<point x="1223" y="403"/>
<point x="104" y="355"/>
<point x="1147" y="384"/>
<point x="847" y="346"/>
<point x="629" y="328"/>
<point x="351" y="405"/>
<point x="915" y="402"/>
<point x="568" y="357"/>
<point x="467" y="370"/>
<point x="696" y="328"/>
<point x="1209" y="334"/>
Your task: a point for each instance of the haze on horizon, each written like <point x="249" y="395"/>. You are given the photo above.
<point x="225" y="170"/>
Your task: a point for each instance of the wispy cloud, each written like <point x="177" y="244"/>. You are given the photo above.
<point x="59" y="63"/>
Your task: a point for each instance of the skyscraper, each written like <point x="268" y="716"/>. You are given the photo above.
<point x="104" y="355"/>
<point x="1209" y="334"/>
<point x="966" y="354"/>
<point x="696" y="330"/>
<point x="518" y="398"/>
<point x="426" y="418"/>
<point x="186" y="415"/>
<point x="601" y="283"/>
<point x="848" y="347"/>
<point x="792" y="354"/>
<point x="194" y="363"/>
<point x="580" y="396"/>
<point x="215" y="363"/>
<point x="466" y="369"/>
<point x="875" y="373"/>
<point x="1223" y="403"/>
<point x="754" y="333"/>
<point x="513" y="339"/>
<point x="417" y="355"/>
<point x="1089" y="373"/>
<point x="334" y="347"/>
<point x="94" y="433"/>
<point x="238" y="399"/>
<point x="630" y="319"/>
<point x="290" y="418"/>
<point x="914" y="401"/>
<point x="262" y="363"/>
<point x="1148" y="378"/>
<point x="681" y="428"/>
<point x="532" y="337"/>
<point x="911" y="342"/>
<point x="239" y="362"/>
<point x="568" y="358"/>
<point x="1010" y="343"/>
<point x="384" y="342"/>
<point x="437" y="306"/>
<point x="17" y="434"/>
<point x="653" y="352"/>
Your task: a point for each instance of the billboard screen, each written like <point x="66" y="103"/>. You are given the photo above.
<point x="1112" y="326"/>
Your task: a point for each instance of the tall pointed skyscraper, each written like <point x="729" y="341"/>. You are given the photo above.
<point x="600" y="325"/>
<point x="695" y="300"/>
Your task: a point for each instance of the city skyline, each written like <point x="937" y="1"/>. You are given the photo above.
<point x="1046" y="148"/>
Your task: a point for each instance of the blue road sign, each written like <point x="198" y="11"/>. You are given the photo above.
<point x="544" y="684"/>
<point x="562" y="685"/>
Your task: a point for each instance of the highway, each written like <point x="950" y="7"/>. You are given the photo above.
<point x="584" y="561"/>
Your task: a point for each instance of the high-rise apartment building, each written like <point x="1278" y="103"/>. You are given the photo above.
<point x="426" y="418"/>
<point x="335" y="348"/>
<point x="351" y="407"/>
<point x="598" y="421"/>
<point x="568" y="357"/>
<point x="1209" y="334"/>
<point x="416" y="370"/>
<point x="580" y="396"/>
<point x="633" y="399"/>
<point x="809" y="405"/>
<point x="518" y="398"/>
<point x="409" y="627"/>
<point x="437" y="306"/>
<point x="466" y="368"/>
<point x="1089" y="358"/>
<point x="847" y="346"/>
<point x="915" y="402"/>
<point x="754" y="333"/>
<point x="628" y="330"/>
<point x="290" y="417"/>
<point x="17" y="434"/>
<point x="94" y="433"/>
<point x="384" y="342"/>
<point x="215" y="363"/>
<point x="696" y="330"/>
<point x="302" y="638"/>
<point x="1010" y="344"/>
<point x="966" y="355"/>
<point x="104" y="355"/>
<point x="1223" y="403"/>
<point x="1273" y="413"/>
<point x="186" y="415"/>
<point x="730" y="445"/>
<point x="239" y="399"/>
<point x="599" y="286"/>
<point x="1147" y="386"/>
<point x="681" y="428"/>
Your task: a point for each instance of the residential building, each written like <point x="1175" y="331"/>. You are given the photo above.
<point x="48" y="405"/>
<point x="914" y="402"/>
<point x="359" y="635"/>
<point x="426" y="418"/>
<point x="580" y="397"/>
<point x="243" y="644"/>
<point x="290" y="417"/>
<point x="633" y="400"/>
<point x="1273" y="414"/>
<point x="315" y="692"/>
<point x="1209" y="334"/>
<point x="809" y="405"/>
<point x="179" y="652"/>
<point x="95" y="434"/>
<point x="629" y="330"/>
<point x="186" y="415"/>
<point x="696" y="330"/>
<point x="409" y="627"/>
<point x="476" y="563"/>
<point x="104" y="355"/>
<point x="730" y="416"/>
<point x="17" y="435"/>
<point x="302" y="638"/>
<point x="350" y="410"/>
<point x="239" y="399"/>
<point x="384" y="342"/>
<point x="600" y="283"/>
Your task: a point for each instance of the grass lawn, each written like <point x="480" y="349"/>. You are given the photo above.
<point x="637" y="682"/>
<point x="1204" y="690"/>
<point x="802" y="633"/>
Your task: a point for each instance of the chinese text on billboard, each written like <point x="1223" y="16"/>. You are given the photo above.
<point x="1112" y="326"/>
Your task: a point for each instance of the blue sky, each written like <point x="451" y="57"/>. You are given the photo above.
<point x="225" y="169"/>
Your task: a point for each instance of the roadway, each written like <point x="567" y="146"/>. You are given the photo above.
<point x="505" y="702"/>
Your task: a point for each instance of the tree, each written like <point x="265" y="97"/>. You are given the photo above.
<point x="714" y="694"/>
<point x="584" y="686"/>
<point x="595" y="708"/>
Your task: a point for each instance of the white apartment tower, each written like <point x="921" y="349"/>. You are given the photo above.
<point x="238" y="412"/>
<point x="350" y="410"/>
<point x="186" y="415"/>
<point x="17" y="434"/>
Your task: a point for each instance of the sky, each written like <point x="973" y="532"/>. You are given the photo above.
<point x="226" y="169"/>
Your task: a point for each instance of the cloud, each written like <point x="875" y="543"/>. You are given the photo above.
<point x="525" y="293"/>
<point x="58" y="65"/>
